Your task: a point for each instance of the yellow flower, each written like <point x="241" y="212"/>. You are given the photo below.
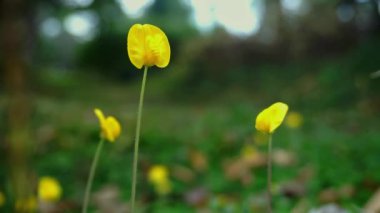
<point x="148" y="46"/>
<point x="294" y="120"/>
<point x="110" y="127"/>
<point x="49" y="189"/>
<point x="26" y="205"/>
<point x="2" y="199"/>
<point x="159" y="176"/>
<point x="270" y="118"/>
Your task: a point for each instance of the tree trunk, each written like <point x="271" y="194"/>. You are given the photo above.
<point x="13" y="45"/>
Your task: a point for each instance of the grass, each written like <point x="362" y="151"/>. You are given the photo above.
<point x="335" y="151"/>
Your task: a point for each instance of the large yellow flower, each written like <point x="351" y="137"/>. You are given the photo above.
<point x="49" y="189"/>
<point x="148" y="46"/>
<point x="270" y="118"/>
<point x="110" y="127"/>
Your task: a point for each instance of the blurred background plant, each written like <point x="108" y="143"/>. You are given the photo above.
<point x="59" y="59"/>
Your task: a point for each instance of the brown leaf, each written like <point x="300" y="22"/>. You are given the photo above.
<point x="198" y="160"/>
<point x="238" y="169"/>
<point x="107" y="199"/>
<point x="284" y="158"/>
<point x="373" y="205"/>
<point x="329" y="195"/>
<point x="182" y="173"/>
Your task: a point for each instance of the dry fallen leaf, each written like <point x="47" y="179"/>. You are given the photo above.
<point x="198" y="160"/>
<point x="328" y="195"/>
<point x="107" y="199"/>
<point x="373" y="205"/>
<point x="238" y="169"/>
<point x="182" y="173"/>
<point x="284" y="158"/>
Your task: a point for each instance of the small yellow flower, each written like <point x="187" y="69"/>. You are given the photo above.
<point x="110" y="127"/>
<point x="148" y="45"/>
<point x="294" y="120"/>
<point x="270" y="118"/>
<point x="49" y="189"/>
<point x="26" y="205"/>
<point x="159" y="176"/>
<point x="2" y="199"/>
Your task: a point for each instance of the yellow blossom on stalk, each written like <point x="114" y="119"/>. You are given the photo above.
<point x="49" y="189"/>
<point x="148" y="45"/>
<point x="270" y="118"/>
<point x="2" y="199"/>
<point x="26" y="204"/>
<point x="294" y="120"/>
<point x="110" y="127"/>
<point x="158" y="175"/>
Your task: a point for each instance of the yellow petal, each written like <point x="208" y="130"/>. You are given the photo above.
<point x="100" y="116"/>
<point x="136" y="45"/>
<point x="112" y="128"/>
<point x="148" y="45"/>
<point x="157" y="45"/>
<point x="158" y="174"/>
<point x="271" y="118"/>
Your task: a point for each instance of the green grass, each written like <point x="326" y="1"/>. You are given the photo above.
<point x="336" y="148"/>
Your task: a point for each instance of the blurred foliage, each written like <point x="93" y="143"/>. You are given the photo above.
<point x="199" y="112"/>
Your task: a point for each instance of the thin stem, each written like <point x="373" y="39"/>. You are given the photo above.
<point x="137" y="139"/>
<point x="91" y="176"/>
<point x="269" y="180"/>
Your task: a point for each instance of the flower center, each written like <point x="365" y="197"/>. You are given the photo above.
<point x="153" y="49"/>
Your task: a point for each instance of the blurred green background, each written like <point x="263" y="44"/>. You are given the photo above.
<point x="230" y="59"/>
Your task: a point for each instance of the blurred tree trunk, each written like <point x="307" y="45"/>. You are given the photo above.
<point x="13" y="44"/>
<point x="272" y="25"/>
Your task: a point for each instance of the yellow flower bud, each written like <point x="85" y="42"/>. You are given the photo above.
<point x="270" y="118"/>
<point x="110" y="127"/>
<point x="148" y="45"/>
<point x="49" y="189"/>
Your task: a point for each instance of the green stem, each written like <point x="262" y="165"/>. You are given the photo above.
<point x="137" y="139"/>
<point x="269" y="180"/>
<point x="91" y="177"/>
